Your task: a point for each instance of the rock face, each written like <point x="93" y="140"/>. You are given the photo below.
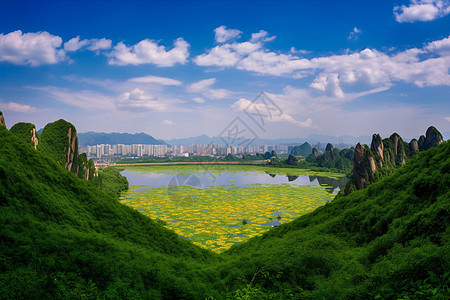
<point x="329" y="147"/>
<point x="387" y="154"/>
<point x="26" y="132"/>
<point x="360" y="171"/>
<point x="432" y="138"/>
<point x="59" y="140"/>
<point x="2" y="119"/>
<point x="315" y="152"/>
<point x="413" y="147"/>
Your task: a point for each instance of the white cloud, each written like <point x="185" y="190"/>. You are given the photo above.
<point x="329" y="85"/>
<point x="222" y="34"/>
<point x="149" y="52"/>
<point x="262" y="35"/>
<point x="74" y="44"/>
<point x="421" y="10"/>
<point x="99" y="44"/>
<point x="271" y="63"/>
<point x="441" y="47"/>
<point x="221" y="56"/>
<point x="204" y="87"/>
<point x="447" y="118"/>
<point x="17" y="107"/>
<point x="33" y="49"/>
<point x="155" y="80"/>
<point x="354" y="34"/>
<point x="201" y="85"/>
<point x="243" y="104"/>
<point x="138" y="99"/>
<point x="198" y="99"/>
<point x="168" y="122"/>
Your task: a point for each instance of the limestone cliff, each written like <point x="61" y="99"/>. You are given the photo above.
<point x="59" y="140"/>
<point x="384" y="156"/>
<point x="332" y="158"/>
<point x="2" y="119"/>
<point x="27" y="132"/>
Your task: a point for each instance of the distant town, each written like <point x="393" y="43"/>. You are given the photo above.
<point x="108" y="153"/>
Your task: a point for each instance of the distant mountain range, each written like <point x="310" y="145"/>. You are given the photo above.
<point x="97" y="138"/>
<point x="312" y="139"/>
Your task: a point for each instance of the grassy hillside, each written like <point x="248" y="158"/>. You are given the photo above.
<point x="68" y="238"/>
<point x="389" y="240"/>
<point x="62" y="237"/>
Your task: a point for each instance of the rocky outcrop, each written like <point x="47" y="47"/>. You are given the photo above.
<point x="332" y="158"/>
<point x="59" y="140"/>
<point x="26" y="132"/>
<point x="2" y="120"/>
<point x="432" y="138"/>
<point x="360" y="171"/>
<point x="329" y="147"/>
<point x="86" y="168"/>
<point x="387" y="155"/>
<point x="413" y="147"/>
<point x="302" y="150"/>
<point x="315" y="152"/>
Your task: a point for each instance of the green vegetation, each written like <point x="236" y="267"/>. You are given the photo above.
<point x="24" y="131"/>
<point x="61" y="237"/>
<point x="58" y="139"/>
<point x="303" y="150"/>
<point x="64" y="238"/>
<point x="333" y="159"/>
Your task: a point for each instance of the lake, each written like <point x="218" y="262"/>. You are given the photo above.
<point x="217" y="206"/>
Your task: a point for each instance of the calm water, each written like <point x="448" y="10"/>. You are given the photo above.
<point x="238" y="178"/>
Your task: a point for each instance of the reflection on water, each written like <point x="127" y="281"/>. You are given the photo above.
<point x="238" y="178"/>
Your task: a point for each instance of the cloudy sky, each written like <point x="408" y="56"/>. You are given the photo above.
<point x="183" y="68"/>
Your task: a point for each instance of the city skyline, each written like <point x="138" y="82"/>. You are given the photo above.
<point x="182" y="69"/>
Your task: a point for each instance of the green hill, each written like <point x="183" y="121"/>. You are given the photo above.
<point x="62" y="237"/>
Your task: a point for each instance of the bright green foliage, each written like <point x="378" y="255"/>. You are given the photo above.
<point x="61" y="237"/>
<point x="24" y="132"/>
<point x="110" y="181"/>
<point x="390" y="239"/>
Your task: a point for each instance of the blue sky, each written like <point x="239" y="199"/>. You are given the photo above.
<point x="176" y="69"/>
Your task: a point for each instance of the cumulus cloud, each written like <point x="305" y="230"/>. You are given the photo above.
<point x="243" y="104"/>
<point x="262" y="35"/>
<point x="99" y="44"/>
<point x="222" y="34"/>
<point x="421" y="10"/>
<point x="155" y="80"/>
<point x="229" y="54"/>
<point x="137" y="98"/>
<point x="32" y="49"/>
<point x="354" y="34"/>
<point x="425" y="66"/>
<point x="167" y="122"/>
<point x="149" y="52"/>
<point x="74" y="44"/>
<point x="447" y="118"/>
